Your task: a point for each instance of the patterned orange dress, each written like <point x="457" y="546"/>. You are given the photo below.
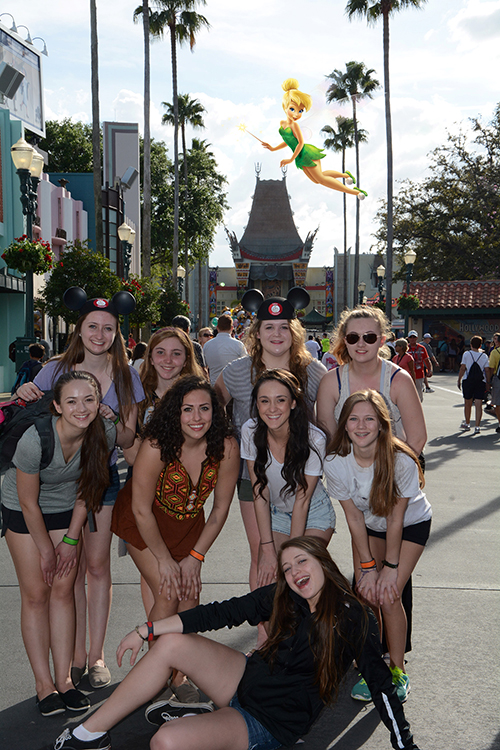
<point x="177" y="508"/>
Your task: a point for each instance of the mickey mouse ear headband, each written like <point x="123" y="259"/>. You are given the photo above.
<point x="275" y="308"/>
<point x="122" y="303"/>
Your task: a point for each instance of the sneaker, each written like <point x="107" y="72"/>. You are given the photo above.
<point x="465" y="426"/>
<point x="429" y="390"/>
<point x="66" y="741"/>
<point x="163" y="711"/>
<point x="401" y="682"/>
<point x="187" y="693"/>
<point x="477" y="430"/>
<point x="360" y="691"/>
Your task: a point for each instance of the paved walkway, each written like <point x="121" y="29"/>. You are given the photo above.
<point x="454" y="665"/>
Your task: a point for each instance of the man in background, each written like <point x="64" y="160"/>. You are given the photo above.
<point x="222" y="349"/>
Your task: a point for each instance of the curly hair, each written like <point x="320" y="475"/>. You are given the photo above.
<point x="339" y="348"/>
<point x="164" y="427"/>
<point x="331" y="630"/>
<point x="149" y="376"/>
<point x="120" y="368"/>
<point x="298" y="447"/>
<point x="384" y="492"/>
<point x="300" y="358"/>
<point x="94" y="454"/>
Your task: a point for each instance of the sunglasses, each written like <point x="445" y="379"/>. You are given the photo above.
<point x="207" y="335"/>
<point x="369" y="338"/>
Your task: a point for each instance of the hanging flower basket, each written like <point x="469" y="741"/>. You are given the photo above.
<point x="408" y="302"/>
<point x="26" y="255"/>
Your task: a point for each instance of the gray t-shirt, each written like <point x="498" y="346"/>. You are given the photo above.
<point x="58" y="482"/>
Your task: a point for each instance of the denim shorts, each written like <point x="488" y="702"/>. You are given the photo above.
<point x="321" y="514"/>
<point x="109" y="497"/>
<point x="258" y="736"/>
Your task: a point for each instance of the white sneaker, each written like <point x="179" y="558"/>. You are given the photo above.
<point x="477" y="430"/>
<point x="464" y="426"/>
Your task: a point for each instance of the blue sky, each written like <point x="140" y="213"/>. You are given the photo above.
<point x="444" y="69"/>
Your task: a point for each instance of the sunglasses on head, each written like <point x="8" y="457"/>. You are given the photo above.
<point x="369" y="338"/>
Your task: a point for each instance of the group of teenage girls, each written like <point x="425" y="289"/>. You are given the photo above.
<point x="360" y="426"/>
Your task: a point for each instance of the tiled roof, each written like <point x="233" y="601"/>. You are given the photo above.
<point x="271" y="233"/>
<point x="439" y="295"/>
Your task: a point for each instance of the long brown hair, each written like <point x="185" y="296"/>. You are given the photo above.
<point x="94" y="453"/>
<point x="120" y="368"/>
<point x="299" y="356"/>
<point x="384" y="492"/>
<point x="339" y="348"/>
<point x="330" y="633"/>
<point x="149" y="376"/>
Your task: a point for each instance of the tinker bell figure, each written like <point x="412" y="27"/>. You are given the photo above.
<point x="307" y="157"/>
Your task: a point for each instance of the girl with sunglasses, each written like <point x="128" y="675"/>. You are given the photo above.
<point x="358" y="339"/>
<point x="378" y="481"/>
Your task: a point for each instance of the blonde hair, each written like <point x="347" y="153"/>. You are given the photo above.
<point x="402" y="343"/>
<point x="339" y="348"/>
<point x="292" y="94"/>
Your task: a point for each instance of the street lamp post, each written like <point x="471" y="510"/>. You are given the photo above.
<point x="361" y="291"/>
<point x="181" y="275"/>
<point x="126" y="236"/>
<point x="410" y="258"/>
<point x="29" y="167"/>
<point x="381" y="276"/>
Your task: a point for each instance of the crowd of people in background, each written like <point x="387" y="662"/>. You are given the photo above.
<point x="289" y="423"/>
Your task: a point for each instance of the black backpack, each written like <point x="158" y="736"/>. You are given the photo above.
<point x="15" y="418"/>
<point x="475" y="374"/>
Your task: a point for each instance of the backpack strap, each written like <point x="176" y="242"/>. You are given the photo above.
<point x="47" y="440"/>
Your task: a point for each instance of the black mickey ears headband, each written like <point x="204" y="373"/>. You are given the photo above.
<point x="275" y="308"/>
<point x="75" y="298"/>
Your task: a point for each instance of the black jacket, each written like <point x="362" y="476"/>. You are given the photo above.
<point x="284" y="697"/>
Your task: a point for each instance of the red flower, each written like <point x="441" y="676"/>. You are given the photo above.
<point x="61" y="264"/>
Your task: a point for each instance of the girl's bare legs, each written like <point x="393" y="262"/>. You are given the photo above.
<point x="99" y="590"/>
<point x="47" y="614"/>
<point x="327" y="179"/>
<point x="216" y="668"/>
<point x="393" y="615"/>
<point x="224" y="729"/>
<point x="253" y="536"/>
<point x="162" y="607"/>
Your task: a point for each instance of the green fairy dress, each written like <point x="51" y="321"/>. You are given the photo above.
<point x="308" y="155"/>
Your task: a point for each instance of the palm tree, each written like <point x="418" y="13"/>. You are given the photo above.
<point x="372" y="11"/>
<point x="190" y="112"/>
<point x="96" y="129"/>
<point x="183" y="24"/>
<point x="353" y="85"/>
<point x="340" y="140"/>
<point x="146" y="189"/>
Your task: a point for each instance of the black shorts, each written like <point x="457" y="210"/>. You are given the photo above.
<point x="418" y="533"/>
<point x="474" y="391"/>
<point x="14" y="520"/>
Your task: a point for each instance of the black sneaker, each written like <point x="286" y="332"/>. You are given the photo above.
<point x="163" y="711"/>
<point x="75" y="700"/>
<point x="66" y="741"/>
<point x="51" y="705"/>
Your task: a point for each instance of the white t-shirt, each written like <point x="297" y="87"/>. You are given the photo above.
<point x="468" y="358"/>
<point x="313" y="348"/>
<point x="275" y="481"/>
<point x="347" y="480"/>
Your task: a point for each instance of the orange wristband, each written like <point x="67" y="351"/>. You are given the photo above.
<point x="197" y="555"/>
<point x="369" y="564"/>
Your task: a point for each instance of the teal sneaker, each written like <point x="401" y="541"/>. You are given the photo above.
<point x="360" y="691"/>
<point x="402" y="683"/>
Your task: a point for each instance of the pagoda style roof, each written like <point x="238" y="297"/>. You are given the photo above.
<point x="271" y="233"/>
